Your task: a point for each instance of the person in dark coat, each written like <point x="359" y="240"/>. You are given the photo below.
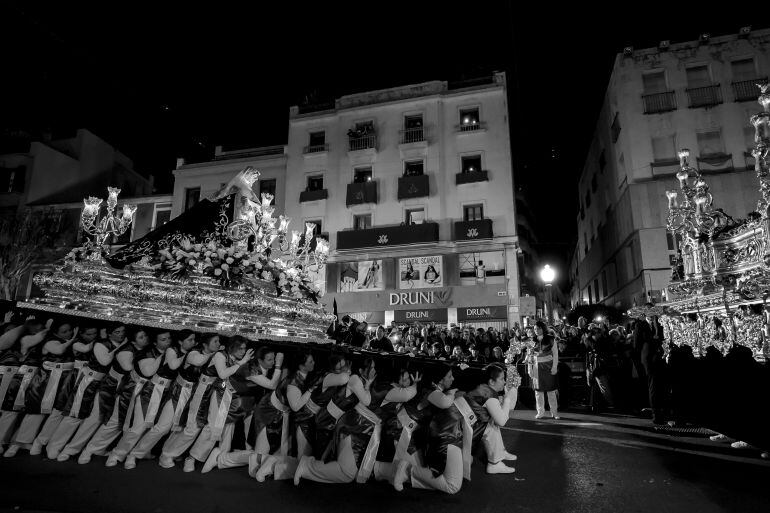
<point x="381" y="342"/>
<point x="654" y="368"/>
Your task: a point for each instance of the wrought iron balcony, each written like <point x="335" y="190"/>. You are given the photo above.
<point x="471" y="127"/>
<point x="360" y="193"/>
<point x="472" y="230"/>
<point x="316" y="148"/>
<point x="413" y="187"/>
<point x="471" y="177"/>
<point x="386" y="236"/>
<point x="665" y="167"/>
<point x="412" y="135"/>
<point x="706" y="96"/>
<point x="659" y="102"/>
<point x="747" y="90"/>
<point x="715" y="162"/>
<point x="363" y="142"/>
<point x="315" y="195"/>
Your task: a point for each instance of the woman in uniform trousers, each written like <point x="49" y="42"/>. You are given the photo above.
<point x="114" y="396"/>
<point x="444" y="451"/>
<point x="401" y="427"/>
<point x="344" y="467"/>
<point x="266" y="376"/>
<point x="191" y="396"/>
<point x="216" y="405"/>
<point x="81" y="350"/>
<point x="144" y="391"/>
<point x="180" y="380"/>
<point x="57" y="363"/>
<point x="82" y="411"/>
<point x="491" y="413"/>
<point x="276" y="413"/>
<point x="19" y="364"/>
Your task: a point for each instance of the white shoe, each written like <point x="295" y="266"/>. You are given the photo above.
<point x="540" y="416"/>
<point x="401" y="475"/>
<point x="11" y="451"/>
<point x="253" y="464"/>
<point x="739" y="445"/>
<point x="765" y="455"/>
<point x="84" y="458"/>
<point x="189" y="464"/>
<point x="499" y="468"/>
<point x="266" y="469"/>
<point x="36" y="449"/>
<point x="303" y="461"/>
<point x="62" y="457"/>
<point x="555" y="416"/>
<point x="130" y="463"/>
<point x="211" y="461"/>
<point x="166" y="462"/>
<point x="510" y="457"/>
<point x="720" y="438"/>
<point x="112" y="461"/>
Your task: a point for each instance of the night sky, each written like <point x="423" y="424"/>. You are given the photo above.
<point x="162" y="82"/>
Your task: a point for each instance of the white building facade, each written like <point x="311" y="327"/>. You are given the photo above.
<point x="413" y="188"/>
<point x="697" y="95"/>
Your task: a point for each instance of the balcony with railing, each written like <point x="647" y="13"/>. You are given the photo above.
<point x="473" y="230"/>
<point x="748" y="90"/>
<point x="412" y="135"/>
<point x="361" y="192"/>
<point x="386" y="236"/>
<point x="316" y="148"/>
<point x="715" y="163"/>
<point x="475" y="126"/>
<point x="362" y="142"/>
<point x="417" y="186"/>
<point x="665" y="167"/>
<point x="659" y="102"/>
<point x="706" y="96"/>
<point x="313" y="195"/>
<point x="471" y="177"/>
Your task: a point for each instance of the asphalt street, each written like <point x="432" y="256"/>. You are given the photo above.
<point x="581" y="463"/>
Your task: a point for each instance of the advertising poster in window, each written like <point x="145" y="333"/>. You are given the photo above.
<point x="482" y="268"/>
<point x="365" y="275"/>
<point x="420" y="272"/>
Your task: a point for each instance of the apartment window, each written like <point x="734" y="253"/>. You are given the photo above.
<point x="362" y="221"/>
<point x="362" y="174"/>
<point x="162" y="214"/>
<point x="365" y="127"/>
<point x="743" y="69"/>
<point x="317" y="223"/>
<point x="267" y="187"/>
<point x="317" y="138"/>
<point x="590" y="296"/>
<point x="471" y="164"/>
<point x="710" y="143"/>
<point x="698" y="76"/>
<point x="664" y="148"/>
<point x="413" y="122"/>
<point x="473" y="212"/>
<point x="191" y="197"/>
<point x="748" y="137"/>
<point x="469" y="116"/>
<point x="414" y="215"/>
<point x="654" y="83"/>
<point x="315" y="183"/>
<point x="596" y="289"/>
<point x="413" y="168"/>
<point x="604" y="283"/>
<point x="670" y="242"/>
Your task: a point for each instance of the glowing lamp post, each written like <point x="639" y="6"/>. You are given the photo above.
<point x="547" y="274"/>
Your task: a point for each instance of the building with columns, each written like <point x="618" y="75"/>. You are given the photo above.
<point x="413" y="188"/>
<point x="697" y="95"/>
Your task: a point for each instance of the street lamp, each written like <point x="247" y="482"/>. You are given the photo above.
<point x="547" y="274"/>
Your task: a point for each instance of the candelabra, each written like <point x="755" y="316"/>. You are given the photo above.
<point x="300" y="251"/>
<point x="108" y="225"/>
<point x="761" y="123"/>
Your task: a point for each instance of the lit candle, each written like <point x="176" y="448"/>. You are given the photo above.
<point x="91" y="206"/>
<point x="322" y="247"/>
<point x="309" y="229"/>
<point x="284" y="224"/>
<point x="295" y="236"/>
<point x="673" y="201"/>
<point x="128" y="213"/>
<point x="267" y="199"/>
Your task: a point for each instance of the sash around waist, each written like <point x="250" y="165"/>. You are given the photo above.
<point x="63" y="366"/>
